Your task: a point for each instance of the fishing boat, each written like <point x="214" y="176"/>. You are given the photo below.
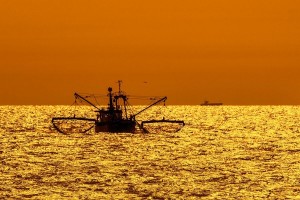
<point x="207" y="103"/>
<point x="114" y="118"/>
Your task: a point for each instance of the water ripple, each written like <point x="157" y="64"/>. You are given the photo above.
<point x="224" y="152"/>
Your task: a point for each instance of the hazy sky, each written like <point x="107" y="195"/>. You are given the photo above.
<point x="237" y="52"/>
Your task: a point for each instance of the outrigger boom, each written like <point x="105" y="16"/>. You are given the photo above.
<point x="160" y="100"/>
<point x="84" y="99"/>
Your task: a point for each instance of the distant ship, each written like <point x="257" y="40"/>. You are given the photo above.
<point x="207" y="103"/>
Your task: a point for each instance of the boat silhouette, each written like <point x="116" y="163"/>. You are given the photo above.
<point x="207" y="103"/>
<point x="115" y="117"/>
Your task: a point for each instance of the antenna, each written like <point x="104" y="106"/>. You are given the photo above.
<point x="119" y="82"/>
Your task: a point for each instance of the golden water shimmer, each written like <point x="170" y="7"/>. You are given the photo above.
<point x="226" y="152"/>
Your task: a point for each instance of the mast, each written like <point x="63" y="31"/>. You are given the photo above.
<point x="111" y="106"/>
<point x="119" y="82"/>
<point x="125" y="109"/>
<point x="123" y="96"/>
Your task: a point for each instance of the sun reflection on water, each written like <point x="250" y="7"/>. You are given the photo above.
<point x="228" y="152"/>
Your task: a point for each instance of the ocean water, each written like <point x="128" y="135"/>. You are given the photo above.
<point x="226" y="152"/>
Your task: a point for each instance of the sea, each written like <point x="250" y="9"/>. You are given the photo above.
<point x="222" y="152"/>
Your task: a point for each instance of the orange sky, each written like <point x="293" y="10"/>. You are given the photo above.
<point x="238" y="52"/>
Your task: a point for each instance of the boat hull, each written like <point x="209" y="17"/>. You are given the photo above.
<point x="123" y="126"/>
